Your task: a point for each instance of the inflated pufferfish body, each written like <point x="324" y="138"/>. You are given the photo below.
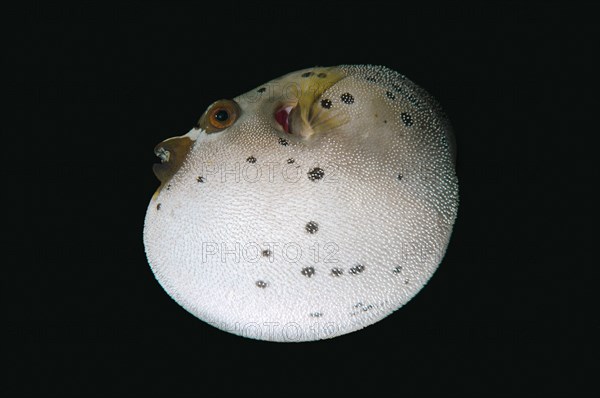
<point x="310" y="207"/>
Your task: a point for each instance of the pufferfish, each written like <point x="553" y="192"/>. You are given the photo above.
<point x="308" y="208"/>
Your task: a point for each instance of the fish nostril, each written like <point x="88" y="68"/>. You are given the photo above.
<point x="282" y="116"/>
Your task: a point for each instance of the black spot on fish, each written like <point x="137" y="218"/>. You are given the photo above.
<point x="390" y="95"/>
<point x="251" y="159"/>
<point x="357" y="269"/>
<point x="158" y="206"/>
<point x="290" y="161"/>
<point x="337" y="272"/>
<point x="261" y="284"/>
<point x="325" y="103"/>
<point x="360" y="307"/>
<point x="283" y="141"/>
<point x="406" y="119"/>
<point x="308" y="271"/>
<point x="396" y="87"/>
<point x="347" y="98"/>
<point x="261" y="90"/>
<point x="445" y="142"/>
<point x="312" y="227"/>
<point x="316" y="174"/>
<point x="399" y="177"/>
<point x="200" y="179"/>
<point x="266" y="253"/>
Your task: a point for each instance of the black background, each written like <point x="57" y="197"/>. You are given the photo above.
<point x="96" y="87"/>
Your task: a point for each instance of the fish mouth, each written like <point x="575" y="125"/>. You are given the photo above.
<point x="171" y="152"/>
<point x="163" y="154"/>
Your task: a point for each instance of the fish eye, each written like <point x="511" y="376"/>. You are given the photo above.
<point x="219" y="116"/>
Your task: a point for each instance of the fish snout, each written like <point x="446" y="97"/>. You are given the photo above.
<point x="171" y="152"/>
